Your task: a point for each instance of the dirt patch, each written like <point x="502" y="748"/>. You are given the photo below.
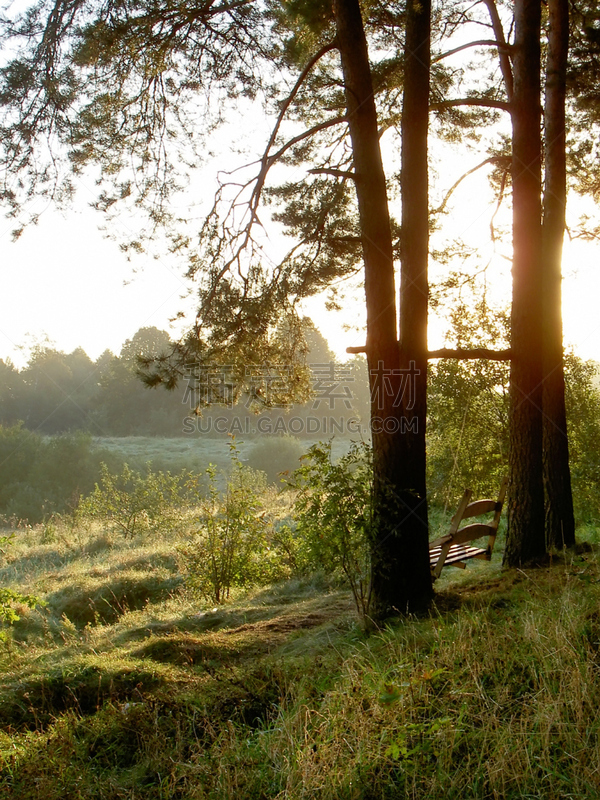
<point x="283" y="624"/>
<point x="229" y="645"/>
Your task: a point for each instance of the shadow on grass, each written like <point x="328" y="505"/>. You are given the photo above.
<point x="34" y="704"/>
<point x="90" y="605"/>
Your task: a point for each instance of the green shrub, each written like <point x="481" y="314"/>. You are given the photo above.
<point x="333" y="514"/>
<point x="40" y="476"/>
<point x="132" y="503"/>
<point x="293" y="553"/>
<point x="235" y="545"/>
<point x="9" y="599"/>
<point x="583" y="404"/>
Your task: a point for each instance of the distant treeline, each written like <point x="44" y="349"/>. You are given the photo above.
<point x="55" y="412"/>
<point x="60" y="392"/>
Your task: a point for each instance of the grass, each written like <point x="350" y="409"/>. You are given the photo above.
<point x="172" y="454"/>
<point x="127" y="686"/>
<point x="191" y="453"/>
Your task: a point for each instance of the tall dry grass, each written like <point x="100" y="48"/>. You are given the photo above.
<point x="495" y="694"/>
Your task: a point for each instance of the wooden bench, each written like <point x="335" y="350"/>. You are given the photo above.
<point x="453" y="550"/>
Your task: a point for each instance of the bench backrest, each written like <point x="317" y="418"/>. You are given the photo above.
<point x="467" y="510"/>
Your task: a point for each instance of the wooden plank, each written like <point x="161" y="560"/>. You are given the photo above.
<point x="439" y="542"/>
<point x="471" y="532"/>
<point x="457" y="553"/>
<point x="464" y="554"/>
<point x="456" y="519"/>
<point x="481" y="507"/>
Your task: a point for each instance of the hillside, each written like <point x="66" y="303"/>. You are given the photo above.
<point x="128" y="686"/>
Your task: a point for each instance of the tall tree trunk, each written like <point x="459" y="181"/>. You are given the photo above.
<point x="414" y="285"/>
<point x="400" y="577"/>
<point x="525" y="539"/>
<point x="560" y="522"/>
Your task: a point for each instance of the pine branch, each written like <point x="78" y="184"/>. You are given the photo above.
<point x="456" y="184"/>
<point x="504" y="50"/>
<point x="337" y="173"/>
<point x="461" y="353"/>
<point x="267" y="160"/>
<point x="501" y="46"/>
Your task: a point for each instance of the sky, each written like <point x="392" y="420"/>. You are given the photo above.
<point x="581" y="298"/>
<point x="63" y="280"/>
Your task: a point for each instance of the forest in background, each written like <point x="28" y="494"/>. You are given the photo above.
<point x="58" y="392"/>
<point x="62" y="416"/>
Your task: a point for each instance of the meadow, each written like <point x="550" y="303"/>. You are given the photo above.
<point x="130" y="683"/>
<point x="195" y="453"/>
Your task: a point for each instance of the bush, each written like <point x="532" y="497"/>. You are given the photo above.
<point x="133" y="503"/>
<point x="231" y="531"/>
<point x="274" y="455"/>
<point x="238" y="544"/>
<point x="583" y="404"/>
<point x="40" y="476"/>
<point x="333" y="514"/>
<point x="9" y="599"/>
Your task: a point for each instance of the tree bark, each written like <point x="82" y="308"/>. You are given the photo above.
<point x="526" y="540"/>
<point x="560" y="522"/>
<point x="400" y="576"/>
<point x="414" y="252"/>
